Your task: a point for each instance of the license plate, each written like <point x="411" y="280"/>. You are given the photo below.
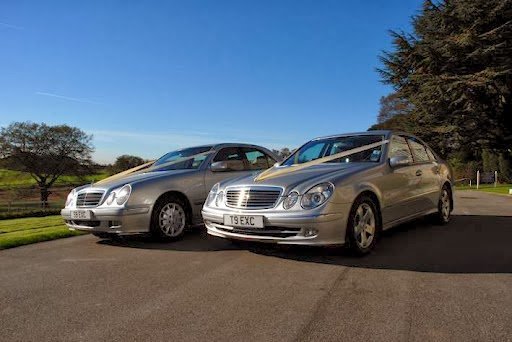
<point x="80" y="214"/>
<point x="245" y="221"/>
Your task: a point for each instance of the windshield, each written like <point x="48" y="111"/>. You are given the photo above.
<point x="192" y="163"/>
<point x="316" y="149"/>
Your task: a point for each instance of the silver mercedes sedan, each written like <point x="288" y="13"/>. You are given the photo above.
<point x="336" y="190"/>
<point x="165" y="197"/>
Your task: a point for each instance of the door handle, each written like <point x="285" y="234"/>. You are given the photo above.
<point x="419" y="173"/>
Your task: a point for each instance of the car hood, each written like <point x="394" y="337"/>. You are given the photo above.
<point x="140" y="177"/>
<point x="326" y="172"/>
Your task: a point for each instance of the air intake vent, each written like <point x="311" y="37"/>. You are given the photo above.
<point x="253" y="198"/>
<point x="89" y="199"/>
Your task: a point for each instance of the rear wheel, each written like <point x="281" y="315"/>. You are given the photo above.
<point x="169" y="218"/>
<point x="444" y="206"/>
<point x="363" y="226"/>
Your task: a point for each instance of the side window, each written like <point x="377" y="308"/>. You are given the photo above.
<point x="431" y="154"/>
<point x="256" y="159"/>
<point x="398" y="147"/>
<point x="197" y="161"/>
<point x="232" y="156"/>
<point x="418" y="151"/>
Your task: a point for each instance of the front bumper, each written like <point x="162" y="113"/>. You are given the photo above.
<point x="308" y="228"/>
<point x="111" y="220"/>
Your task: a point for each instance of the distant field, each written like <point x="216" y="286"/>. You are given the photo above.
<point x="13" y="179"/>
<point x="25" y="231"/>
<point x="499" y="189"/>
<point x="19" y="192"/>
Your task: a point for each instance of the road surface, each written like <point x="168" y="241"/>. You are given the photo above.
<point x="424" y="282"/>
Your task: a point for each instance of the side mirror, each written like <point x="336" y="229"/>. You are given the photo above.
<point x="220" y="166"/>
<point x="398" y="161"/>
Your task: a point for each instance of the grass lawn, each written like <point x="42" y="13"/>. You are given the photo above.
<point x="15" y="179"/>
<point x="17" y="232"/>
<point x="499" y="189"/>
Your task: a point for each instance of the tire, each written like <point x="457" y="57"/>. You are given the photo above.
<point x="362" y="237"/>
<point x="444" y="206"/>
<point x="169" y="219"/>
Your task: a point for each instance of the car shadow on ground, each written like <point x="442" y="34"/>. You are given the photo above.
<point x="469" y="244"/>
<point x="194" y="240"/>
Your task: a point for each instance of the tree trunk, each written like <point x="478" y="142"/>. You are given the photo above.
<point x="44" y="196"/>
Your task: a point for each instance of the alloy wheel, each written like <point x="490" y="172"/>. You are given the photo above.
<point x="445" y="205"/>
<point x="172" y="219"/>
<point x="364" y="225"/>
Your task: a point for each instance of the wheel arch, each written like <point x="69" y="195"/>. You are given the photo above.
<point x="181" y="196"/>
<point x="375" y="198"/>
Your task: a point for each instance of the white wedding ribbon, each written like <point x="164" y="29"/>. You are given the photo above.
<point x="149" y="166"/>
<point x="279" y="171"/>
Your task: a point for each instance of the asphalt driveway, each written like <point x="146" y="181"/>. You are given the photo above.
<point x="423" y="282"/>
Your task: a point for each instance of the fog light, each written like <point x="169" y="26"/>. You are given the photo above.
<point x="310" y="232"/>
<point x="114" y="224"/>
<point x="219" y="199"/>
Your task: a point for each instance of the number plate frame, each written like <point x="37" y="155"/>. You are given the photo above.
<point x="82" y="215"/>
<point x="244" y="221"/>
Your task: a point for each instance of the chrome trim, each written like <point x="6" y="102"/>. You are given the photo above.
<point x="92" y="202"/>
<point x="263" y="197"/>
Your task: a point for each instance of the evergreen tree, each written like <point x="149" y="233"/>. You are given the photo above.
<point x="455" y="68"/>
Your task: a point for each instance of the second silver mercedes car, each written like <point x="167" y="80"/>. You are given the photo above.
<point x="341" y="189"/>
<point x="164" y="198"/>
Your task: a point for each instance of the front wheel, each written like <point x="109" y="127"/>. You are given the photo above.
<point x="169" y="219"/>
<point x="363" y="226"/>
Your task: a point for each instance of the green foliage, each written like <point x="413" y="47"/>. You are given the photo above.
<point x="285" y="152"/>
<point x="456" y="71"/>
<point x="125" y="162"/>
<point x="505" y="167"/>
<point x="393" y="105"/>
<point x="463" y="169"/>
<point x="489" y="161"/>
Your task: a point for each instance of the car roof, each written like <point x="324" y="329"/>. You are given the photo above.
<point x="221" y="145"/>
<point x="377" y="132"/>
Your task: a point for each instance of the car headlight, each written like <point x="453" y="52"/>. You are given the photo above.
<point x="317" y="195"/>
<point x="70" y="198"/>
<point x="212" y="194"/>
<point x="123" y="194"/>
<point x="291" y="200"/>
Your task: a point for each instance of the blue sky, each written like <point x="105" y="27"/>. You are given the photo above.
<point x="146" y="77"/>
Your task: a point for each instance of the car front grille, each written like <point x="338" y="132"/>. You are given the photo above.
<point x="253" y="198"/>
<point x="89" y="199"/>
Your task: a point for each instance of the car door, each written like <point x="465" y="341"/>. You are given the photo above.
<point x="399" y="185"/>
<point x="427" y="169"/>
